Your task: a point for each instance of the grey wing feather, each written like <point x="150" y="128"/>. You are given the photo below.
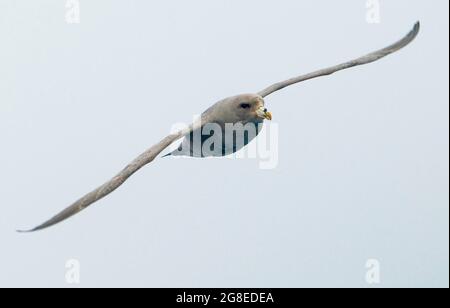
<point x="372" y="57"/>
<point x="107" y="188"/>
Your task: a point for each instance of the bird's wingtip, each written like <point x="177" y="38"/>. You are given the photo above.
<point x="412" y="34"/>
<point x="416" y="29"/>
<point x="28" y="231"/>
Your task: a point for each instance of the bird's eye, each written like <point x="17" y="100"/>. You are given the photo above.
<point x="245" y="106"/>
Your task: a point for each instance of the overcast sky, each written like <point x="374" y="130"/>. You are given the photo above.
<point x="363" y="155"/>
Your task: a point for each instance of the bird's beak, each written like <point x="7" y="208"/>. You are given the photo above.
<point x="264" y="114"/>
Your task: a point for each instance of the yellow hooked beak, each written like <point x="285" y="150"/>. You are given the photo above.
<point x="264" y="113"/>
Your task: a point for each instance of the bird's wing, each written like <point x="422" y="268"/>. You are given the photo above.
<point x="372" y="57"/>
<point x="107" y="188"/>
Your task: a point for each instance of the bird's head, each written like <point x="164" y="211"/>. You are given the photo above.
<point x="250" y="107"/>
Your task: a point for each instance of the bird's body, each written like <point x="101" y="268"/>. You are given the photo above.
<point x="244" y="112"/>
<point x="202" y="142"/>
<point x="226" y="127"/>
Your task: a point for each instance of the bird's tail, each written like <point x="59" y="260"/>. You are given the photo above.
<point x="167" y="155"/>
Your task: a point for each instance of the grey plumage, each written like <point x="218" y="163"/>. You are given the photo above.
<point x="215" y="122"/>
<point x="225" y="111"/>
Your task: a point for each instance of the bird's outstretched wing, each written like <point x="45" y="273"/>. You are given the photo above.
<point x="149" y="155"/>
<point x="372" y="57"/>
<point x="107" y="188"/>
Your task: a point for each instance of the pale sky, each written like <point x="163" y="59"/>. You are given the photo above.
<point x="363" y="155"/>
